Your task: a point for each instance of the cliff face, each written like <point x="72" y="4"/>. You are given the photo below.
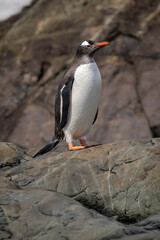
<point x="37" y="45"/>
<point x="90" y="193"/>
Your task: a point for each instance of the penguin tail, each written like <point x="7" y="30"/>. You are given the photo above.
<point x="48" y="147"/>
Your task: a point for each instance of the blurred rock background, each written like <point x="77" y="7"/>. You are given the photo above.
<point x="38" y="44"/>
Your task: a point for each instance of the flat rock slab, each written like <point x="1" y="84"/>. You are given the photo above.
<point x="44" y="215"/>
<point x="36" y="48"/>
<point x="119" y="179"/>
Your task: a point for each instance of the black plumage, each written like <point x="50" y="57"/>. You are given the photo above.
<point x="83" y="55"/>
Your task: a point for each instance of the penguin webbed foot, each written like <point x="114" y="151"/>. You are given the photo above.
<point x="74" y="148"/>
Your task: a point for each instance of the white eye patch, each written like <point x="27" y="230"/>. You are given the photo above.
<point x="85" y="43"/>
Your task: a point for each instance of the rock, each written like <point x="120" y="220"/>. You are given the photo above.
<point x="10" y="155"/>
<point x="30" y="122"/>
<point x="36" y="48"/>
<point x="119" y="179"/>
<point x="150" y="91"/>
<point x="42" y="198"/>
<point x="40" y="214"/>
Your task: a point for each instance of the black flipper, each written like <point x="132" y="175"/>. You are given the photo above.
<point x="65" y="102"/>
<point x="62" y="103"/>
<point x="48" y="147"/>
<point x="95" y="118"/>
<point x="61" y="112"/>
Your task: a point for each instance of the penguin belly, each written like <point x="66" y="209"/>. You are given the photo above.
<point x="85" y="98"/>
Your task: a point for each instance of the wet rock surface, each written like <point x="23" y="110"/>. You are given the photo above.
<point x="37" y="46"/>
<point x="105" y="192"/>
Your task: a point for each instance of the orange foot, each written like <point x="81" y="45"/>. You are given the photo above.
<point x="72" y="148"/>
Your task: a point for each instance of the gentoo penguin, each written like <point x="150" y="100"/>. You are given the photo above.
<point x="77" y="99"/>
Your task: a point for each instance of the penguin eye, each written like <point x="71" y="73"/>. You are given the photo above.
<point x="88" y="45"/>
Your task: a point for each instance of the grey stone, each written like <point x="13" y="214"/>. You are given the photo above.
<point x="116" y="179"/>
<point x="36" y="48"/>
<point x="40" y="214"/>
<point x="42" y="198"/>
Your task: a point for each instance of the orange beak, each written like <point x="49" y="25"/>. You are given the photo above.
<point x="100" y="44"/>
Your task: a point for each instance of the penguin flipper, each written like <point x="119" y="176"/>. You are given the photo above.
<point x="62" y="102"/>
<point x="95" y="118"/>
<point x="61" y="112"/>
<point x="48" y="147"/>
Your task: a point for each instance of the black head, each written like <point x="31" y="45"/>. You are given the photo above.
<point x="89" y="47"/>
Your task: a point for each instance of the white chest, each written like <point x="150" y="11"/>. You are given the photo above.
<point x="86" y="92"/>
<point x="87" y="75"/>
<point x="86" y="89"/>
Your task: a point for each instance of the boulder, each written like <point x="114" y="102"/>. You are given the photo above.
<point x="40" y="214"/>
<point x="38" y="45"/>
<point x="120" y="179"/>
<point x="105" y="192"/>
<point x="10" y="155"/>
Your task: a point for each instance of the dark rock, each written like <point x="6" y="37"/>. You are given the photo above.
<point x="41" y="198"/>
<point x="39" y="214"/>
<point x="10" y="155"/>
<point x="37" y="47"/>
<point x="116" y="179"/>
<point x="119" y="180"/>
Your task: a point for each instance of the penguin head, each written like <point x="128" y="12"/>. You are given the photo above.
<point x="89" y="47"/>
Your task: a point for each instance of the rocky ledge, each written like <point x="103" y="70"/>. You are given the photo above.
<point x="106" y="192"/>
